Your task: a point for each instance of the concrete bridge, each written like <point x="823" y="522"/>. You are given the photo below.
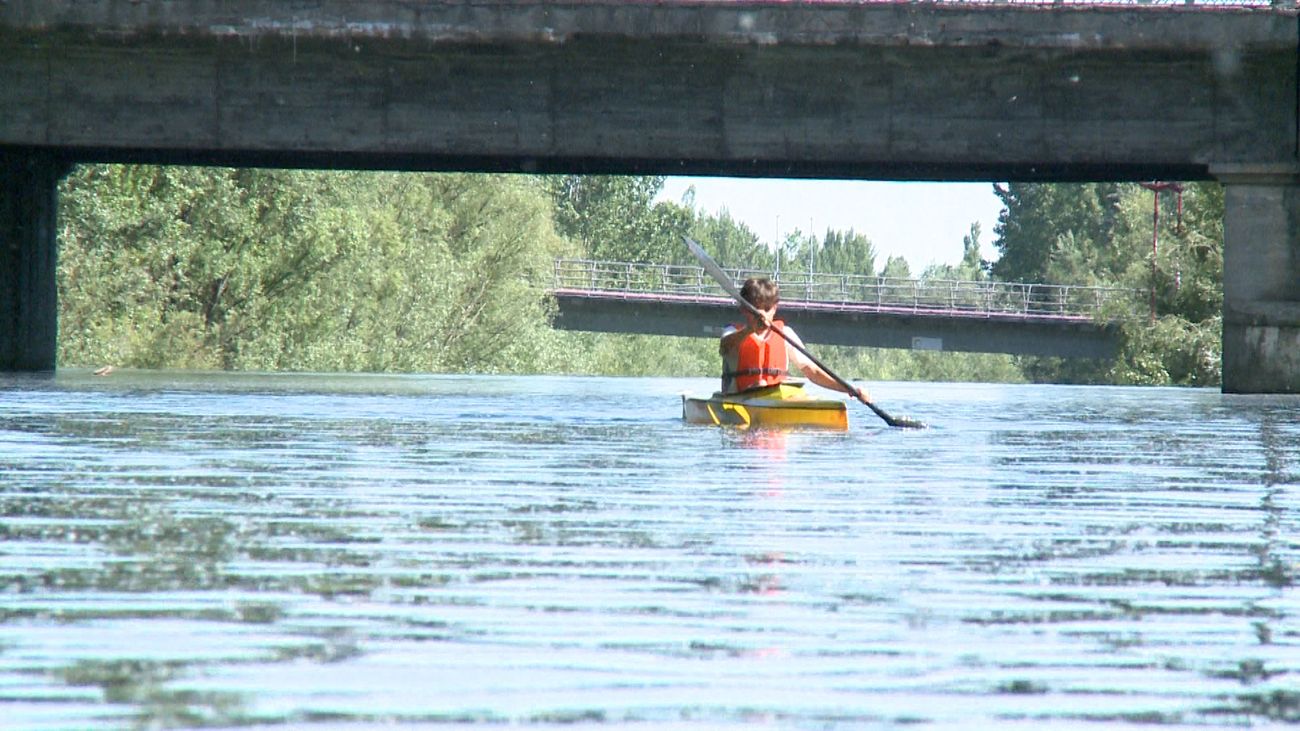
<point x="1064" y="91"/>
<point x="847" y="309"/>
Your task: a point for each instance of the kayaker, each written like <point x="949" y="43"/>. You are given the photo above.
<point x="754" y="357"/>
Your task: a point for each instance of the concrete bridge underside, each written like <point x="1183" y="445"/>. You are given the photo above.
<point x="874" y="91"/>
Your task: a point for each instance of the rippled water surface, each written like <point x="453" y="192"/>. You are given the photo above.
<point x="340" y="552"/>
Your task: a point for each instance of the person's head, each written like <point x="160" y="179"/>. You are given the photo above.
<point x="761" y="292"/>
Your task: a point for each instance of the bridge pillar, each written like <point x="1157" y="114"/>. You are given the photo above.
<point x="1261" y="280"/>
<point x="29" y="312"/>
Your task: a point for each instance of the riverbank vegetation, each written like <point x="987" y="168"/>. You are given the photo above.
<point x="179" y="267"/>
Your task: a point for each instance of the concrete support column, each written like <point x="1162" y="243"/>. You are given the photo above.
<point x="1261" y="281"/>
<point x="29" y="308"/>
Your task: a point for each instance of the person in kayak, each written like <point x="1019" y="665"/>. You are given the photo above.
<point x="755" y="357"/>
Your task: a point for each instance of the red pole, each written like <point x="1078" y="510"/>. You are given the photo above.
<point x="1179" y="189"/>
<point x="1155" y="187"/>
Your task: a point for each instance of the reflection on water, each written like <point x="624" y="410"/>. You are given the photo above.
<point x="185" y="550"/>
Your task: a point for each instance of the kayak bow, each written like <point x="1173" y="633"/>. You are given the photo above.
<point x="782" y="405"/>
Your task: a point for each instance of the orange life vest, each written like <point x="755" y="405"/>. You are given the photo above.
<point x="760" y="361"/>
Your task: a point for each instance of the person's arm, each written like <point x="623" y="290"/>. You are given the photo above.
<point x="731" y="338"/>
<point x="818" y="376"/>
<point x="821" y="378"/>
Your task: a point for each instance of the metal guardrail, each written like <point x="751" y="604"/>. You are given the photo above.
<point x="883" y="293"/>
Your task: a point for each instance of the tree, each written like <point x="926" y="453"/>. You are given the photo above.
<point x="454" y="277"/>
<point x="170" y="266"/>
<point x="972" y="267"/>
<point x="846" y="252"/>
<point x="1101" y="234"/>
<point x="251" y="269"/>
<point x="731" y="243"/>
<point x="896" y="267"/>
<point x="615" y="217"/>
<point x="1056" y="233"/>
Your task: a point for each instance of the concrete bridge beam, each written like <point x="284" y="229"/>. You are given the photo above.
<point x="1043" y="336"/>
<point x="29" y="309"/>
<point x="1261" y="279"/>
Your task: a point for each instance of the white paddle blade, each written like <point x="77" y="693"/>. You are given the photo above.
<point x="712" y="268"/>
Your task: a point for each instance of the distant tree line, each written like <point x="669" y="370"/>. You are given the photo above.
<point x="244" y="269"/>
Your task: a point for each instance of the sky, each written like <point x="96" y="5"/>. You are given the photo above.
<point x="922" y="222"/>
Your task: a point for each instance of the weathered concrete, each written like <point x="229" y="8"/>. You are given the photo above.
<point x="28" y="261"/>
<point x="706" y="317"/>
<point x="1261" y="280"/>
<point x="884" y="91"/>
<point x="894" y="91"/>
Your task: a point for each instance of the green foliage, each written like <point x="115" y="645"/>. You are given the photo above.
<point x="1107" y="235"/>
<point x="731" y="243"/>
<point x="1058" y="234"/>
<point x="971" y="269"/>
<point x="896" y="267"/>
<point x="248" y="269"/>
<point x="885" y="364"/>
<point x="1171" y="350"/>
<point x="838" y="252"/>
<point x="615" y="218"/>
<point x="637" y="355"/>
<point x="454" y="275"/>
<point x="846" y="252"/>
<point x="171" y="266"/>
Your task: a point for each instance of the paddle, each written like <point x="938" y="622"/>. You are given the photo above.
<point x="716" y="272"/>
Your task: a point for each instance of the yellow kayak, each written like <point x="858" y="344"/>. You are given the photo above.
<point x="783" y="405"/>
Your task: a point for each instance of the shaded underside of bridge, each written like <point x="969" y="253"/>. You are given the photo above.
<point x="842" y="324"/>
<point x="891" y="91"/>
<point x="833" y="89"/>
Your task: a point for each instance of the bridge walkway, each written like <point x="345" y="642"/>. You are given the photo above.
<point x="846" y="309"/>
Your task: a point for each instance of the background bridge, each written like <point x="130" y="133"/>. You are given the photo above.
<point x="847" y="309"/>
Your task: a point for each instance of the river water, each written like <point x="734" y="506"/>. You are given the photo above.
<point x="199" y="549"/>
